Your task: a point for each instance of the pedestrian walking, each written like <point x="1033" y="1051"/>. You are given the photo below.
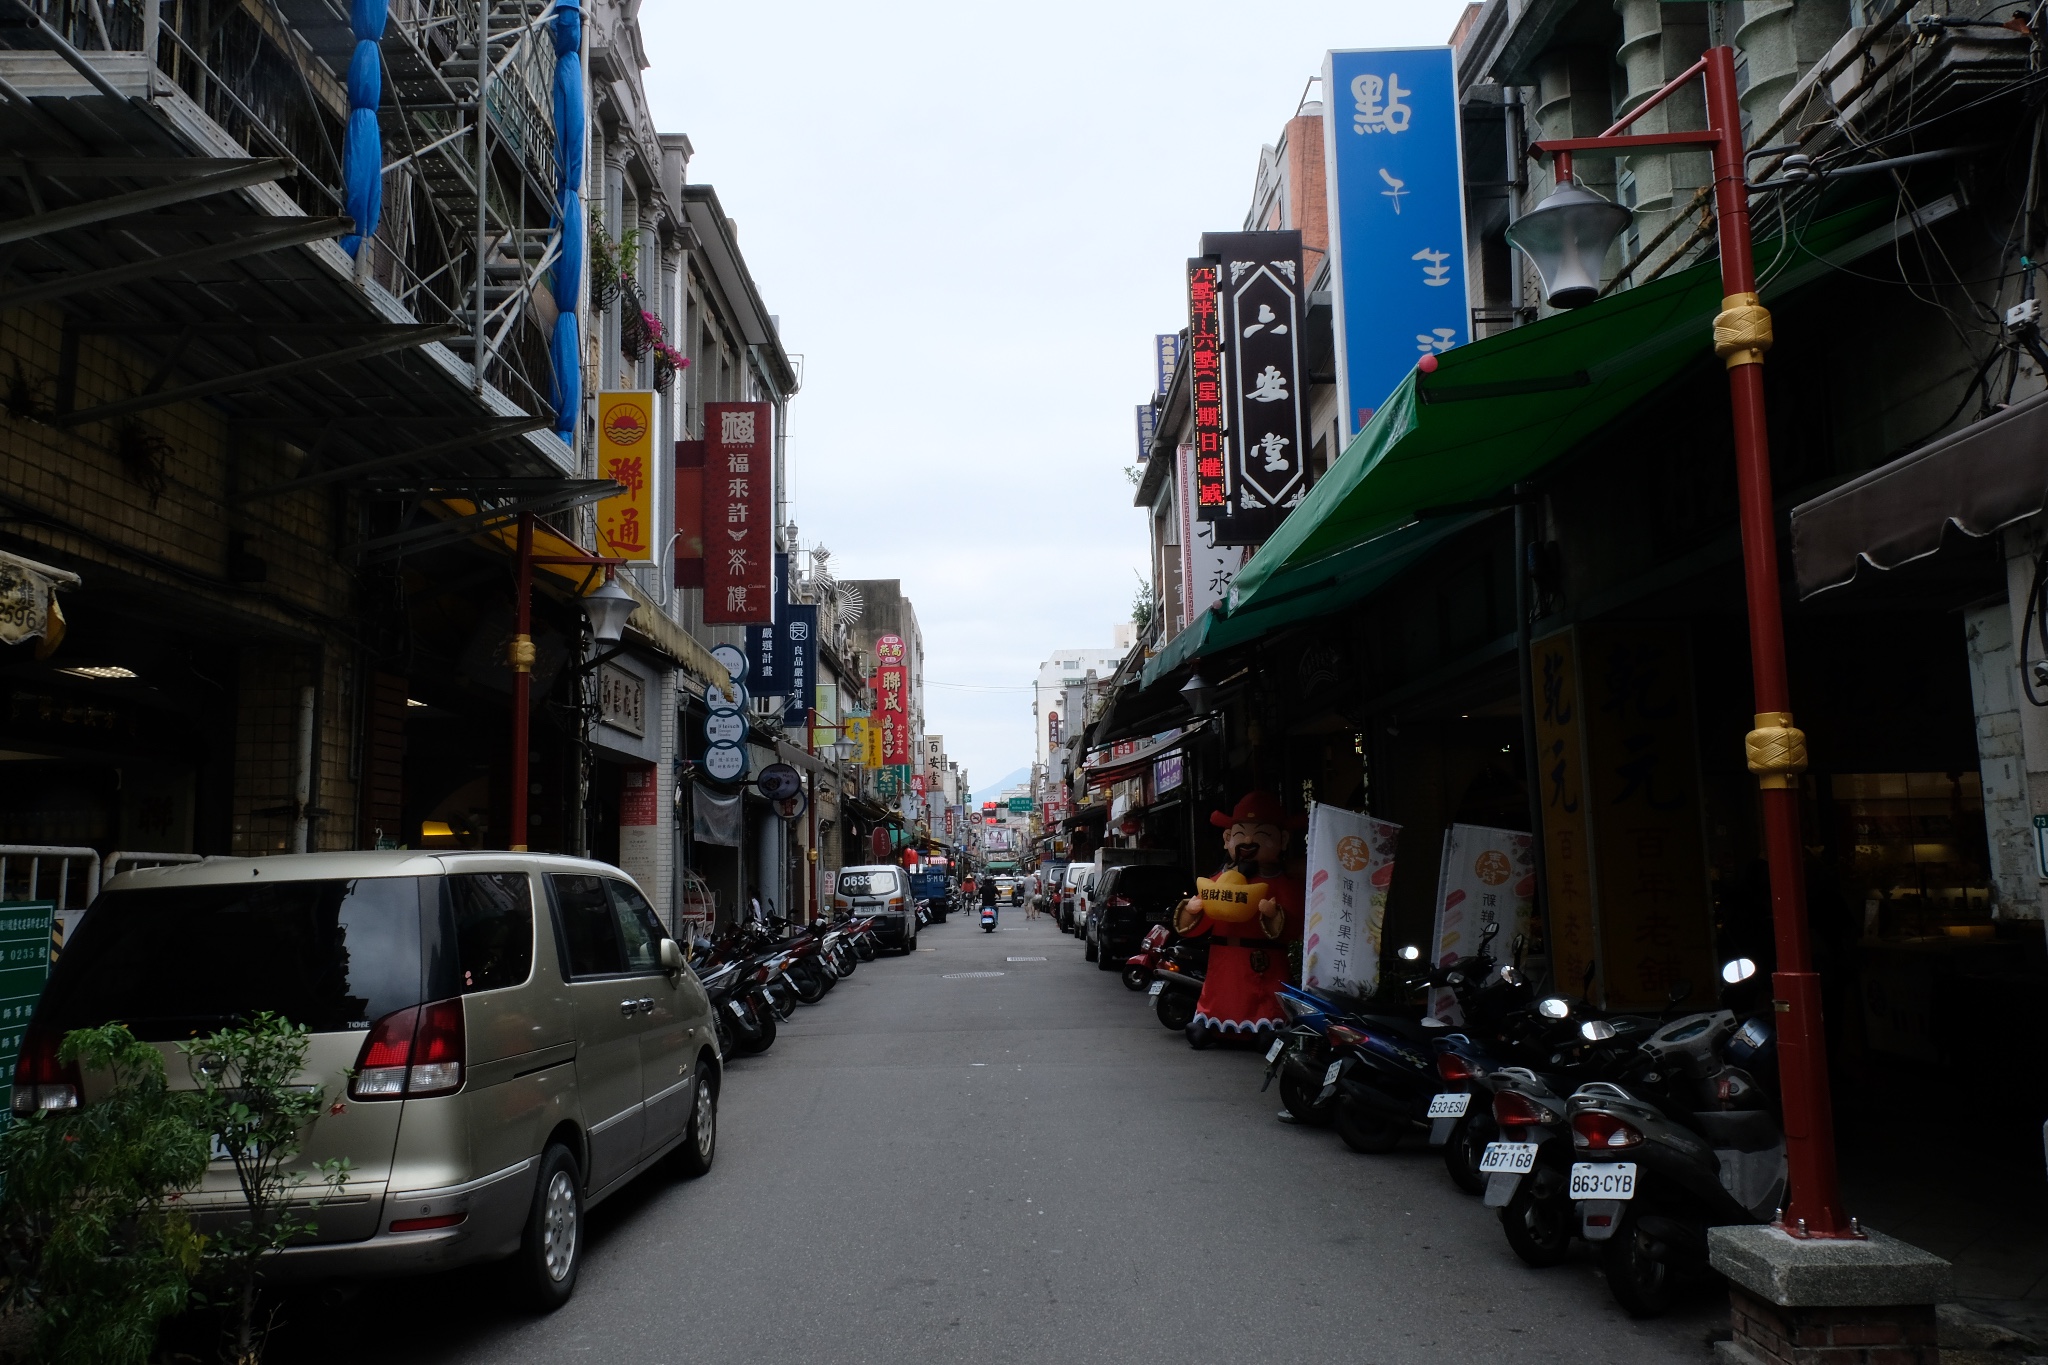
<point x="1031" y="900"/>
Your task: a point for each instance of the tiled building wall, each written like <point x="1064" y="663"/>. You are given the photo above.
<point x="153" y="497"/>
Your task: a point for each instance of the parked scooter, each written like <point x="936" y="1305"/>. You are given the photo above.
<point x="1177" y="985"/>
<point x="1151" y="952"/>
<point x="1707" y="1152"/>
<point x="744" y="1023"/>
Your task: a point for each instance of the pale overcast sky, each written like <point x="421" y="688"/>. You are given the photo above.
<point x="972" y="219"/>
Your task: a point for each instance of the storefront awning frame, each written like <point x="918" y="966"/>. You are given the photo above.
<point x="1499" y="410"/>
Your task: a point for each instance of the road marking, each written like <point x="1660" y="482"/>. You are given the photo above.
<point x="966" y="976"/>
<point x="1023" y="959"/>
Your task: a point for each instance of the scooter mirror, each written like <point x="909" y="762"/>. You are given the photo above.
<point x="1486" y="935"/>
<point x="1410" y="953"/>
<point x="1554" y="1007"/>
<point x="1596" y="1030"/>
<point x="1737" y="970"/>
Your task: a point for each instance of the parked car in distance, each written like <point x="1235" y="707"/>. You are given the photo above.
<point x="881" y="890"/>
<point x="1126" y="903"/>
<point x="1083" y="892"/>
<point x="1069" y="885"/>
<point x="506" y="1039"/>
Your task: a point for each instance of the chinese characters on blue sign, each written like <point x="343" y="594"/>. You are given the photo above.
<point x="1165" y="355"/>
<point x="1397" y="217"/>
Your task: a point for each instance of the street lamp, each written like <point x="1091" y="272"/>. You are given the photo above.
<point x="1197" y="693"/>
<point x="1566" y="238"/>
<point x="1776" y="748"/>
<point x="608" y="607"/>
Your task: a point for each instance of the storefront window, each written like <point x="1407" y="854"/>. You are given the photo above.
<point x="1911" y="850"/>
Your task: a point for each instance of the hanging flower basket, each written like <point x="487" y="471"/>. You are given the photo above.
<point x="668" y="363"/>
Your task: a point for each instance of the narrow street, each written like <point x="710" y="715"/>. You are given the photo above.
<point x="1026" y="1167"/>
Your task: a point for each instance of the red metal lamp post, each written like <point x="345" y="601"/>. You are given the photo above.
<point x="1566" y="232"/>
<point x="607" y="609"/>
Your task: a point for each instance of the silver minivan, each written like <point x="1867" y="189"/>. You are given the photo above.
<point x="504" y="1038"/>
<point x="881" y="890"/>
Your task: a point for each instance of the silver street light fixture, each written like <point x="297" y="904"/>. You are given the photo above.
<point x="608" y="606"/>
<point x="1566" y="238"/>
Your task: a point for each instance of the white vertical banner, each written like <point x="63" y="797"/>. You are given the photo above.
<point x="1350" y="866"/>
<point x="1487" y="875"/>
<point x="1206" y="568"/>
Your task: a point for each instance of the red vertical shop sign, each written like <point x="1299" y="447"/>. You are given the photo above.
<point x="739" y="563"/>
<point x="1205" y="373"/>
<point x="689" y="514"/>
<point x="892" y="684"/>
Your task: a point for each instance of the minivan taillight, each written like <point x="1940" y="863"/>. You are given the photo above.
<point x="412" y="1054"/>
<point x="40" y="1080"/>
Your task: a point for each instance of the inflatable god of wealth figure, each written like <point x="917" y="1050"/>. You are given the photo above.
<point x="1250" y="912"/>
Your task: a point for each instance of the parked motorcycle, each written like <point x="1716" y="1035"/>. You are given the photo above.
<point x="1711" y="1153"/>
<point x="743" y="1023"/>
<point x="1177" y="986"/>
<point x="1151" y="952"/>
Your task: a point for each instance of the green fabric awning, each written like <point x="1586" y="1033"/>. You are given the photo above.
<point x="1500" y="409"/>
<point x="1298" y="595"/>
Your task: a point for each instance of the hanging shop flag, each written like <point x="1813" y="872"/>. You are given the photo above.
<point x="768" y="672"/>
<point x="689" y="549"/>
<point x="1397" y="217"/>
<point x="1165" y="355"/>
<point x="738" y="555"/>
<point x="892" y="686"/>
<point x="625" y="455"/>
<point x="1206" y="568"/>
<point x="1265" y="470"/>
<point x="1205" y="371"/>
<point x="1350" y="867"/>
<point x="1487" y="876"/>
<point x="799" y="628"/>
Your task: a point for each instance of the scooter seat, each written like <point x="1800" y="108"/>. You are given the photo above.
<point x="1744" y="1130"/>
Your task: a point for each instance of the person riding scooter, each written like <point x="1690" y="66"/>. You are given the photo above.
<point x="988" y="899"/>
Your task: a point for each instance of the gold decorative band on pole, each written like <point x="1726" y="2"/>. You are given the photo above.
<point x="1776" y="750"/>
<point x="520" y="655"/>
<point x="1742" y="330"/>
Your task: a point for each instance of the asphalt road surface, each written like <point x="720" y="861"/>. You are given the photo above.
<point x="975" y="1155"/>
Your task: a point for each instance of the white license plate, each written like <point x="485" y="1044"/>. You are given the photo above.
<point x="1516" y="1158"/>
<point x="1452" y="1104"/>
<point x="1157" y="987"/>
<point x="1603" y="1180"/>
<point x="1330" y="1076"/>
<point x="1273" y="1052"/>
<point x="736" y="1008"/>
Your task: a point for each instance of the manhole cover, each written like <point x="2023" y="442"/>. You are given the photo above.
<point x="968" y="976"/>
<point x="1023" y="959"/>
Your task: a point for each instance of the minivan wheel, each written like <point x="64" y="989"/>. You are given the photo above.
<point x="551" y="1252"/>
<point x="700" y="1143"/>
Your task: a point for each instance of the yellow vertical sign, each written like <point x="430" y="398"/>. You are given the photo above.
<point x="1656" y="925"/>
<point x="1560" y="771"/>
<point x="625" y="455"/>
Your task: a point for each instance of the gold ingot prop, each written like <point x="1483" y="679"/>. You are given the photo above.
<point x="520" y="654"/>
<point x="1230" y="899"/>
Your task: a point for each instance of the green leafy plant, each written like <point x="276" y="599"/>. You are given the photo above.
<point x="97" y="1242"/>
<point x="256" y="1113"/>
<point x="1143" y="604"/>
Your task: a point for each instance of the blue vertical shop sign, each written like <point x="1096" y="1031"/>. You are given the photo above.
<point x="799" y="627"/>
<point x="1165" y="355"/>
<point x="1395" y="175"/>
<point x="768" y="670"/>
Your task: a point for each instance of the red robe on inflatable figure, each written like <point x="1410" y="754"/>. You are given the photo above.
<point x="1248" y="950"/>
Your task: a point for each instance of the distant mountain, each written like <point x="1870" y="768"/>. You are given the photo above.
<point x="1001" y="785"/>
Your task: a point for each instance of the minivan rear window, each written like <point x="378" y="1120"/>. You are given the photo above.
<point x="880" y="882"/>
<point x="172" y="962"/>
